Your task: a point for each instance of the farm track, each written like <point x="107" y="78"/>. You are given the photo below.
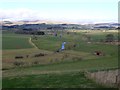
<point x="30" y="41"/>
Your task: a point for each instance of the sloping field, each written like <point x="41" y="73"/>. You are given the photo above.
<point x="100" y="64"/>
<point x="15" y="42"/>
<point x="58" y="69"/>
<point x="66" y="80"/>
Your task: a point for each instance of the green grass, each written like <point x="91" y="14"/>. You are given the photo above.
<point x="15" y="42"/>
<point x="54" y="43"/>
<point x="107" y="49"/>
<point x="80" y="65"/>
<point x="48" y="43"/>
<point x="51" y="43"/>
<point x="66" y="80"/>
<point x="85" y="65"/>
<point x="102" y="35"/>
<point x="65" y="73"/>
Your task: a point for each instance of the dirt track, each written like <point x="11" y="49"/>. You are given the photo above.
<point x="30" y="41"/>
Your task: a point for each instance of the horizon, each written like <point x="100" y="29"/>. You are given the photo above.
<point x="74" y="11"/>
<point x="20" y="22"/>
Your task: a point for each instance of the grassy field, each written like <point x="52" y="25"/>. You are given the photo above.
<point x="19" y="43"/>
<point x="13" y="41"/>
<point x="56" y="69"/>
<point x="66" y="80"/>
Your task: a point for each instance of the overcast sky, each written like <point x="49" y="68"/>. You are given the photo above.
<point x="60" y="10"/>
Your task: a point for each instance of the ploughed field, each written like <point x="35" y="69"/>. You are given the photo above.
<point x="27" y="66"/>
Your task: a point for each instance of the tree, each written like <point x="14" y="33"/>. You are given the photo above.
<point x="109" y="38"/>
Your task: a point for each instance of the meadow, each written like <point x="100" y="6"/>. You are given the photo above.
<point x="56" y="69"/>
<point x="66" y="80"/>
<point x="13" y="41"/>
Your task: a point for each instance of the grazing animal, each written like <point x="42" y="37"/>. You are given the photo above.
<point x="98" y="53"/>
<point x="27" y="56"/>
<point x="74" y="45"/>
<point x="18" y="57"/>
<point x="57" y="50"/>
<point x="38" y="55"/>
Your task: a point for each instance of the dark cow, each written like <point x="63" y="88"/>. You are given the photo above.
<point x="27" y="56"/>
<point x="74" y="45"/>
<point x="98" y="53"/>
<point x="38" y="55"/>
<point x="57" y="51"/>
<point x="18" y="57"/>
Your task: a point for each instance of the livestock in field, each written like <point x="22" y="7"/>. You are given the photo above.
<point x="38" y="55"/>
<point x="19" y="57"/>
<point x="99" y="53"/>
